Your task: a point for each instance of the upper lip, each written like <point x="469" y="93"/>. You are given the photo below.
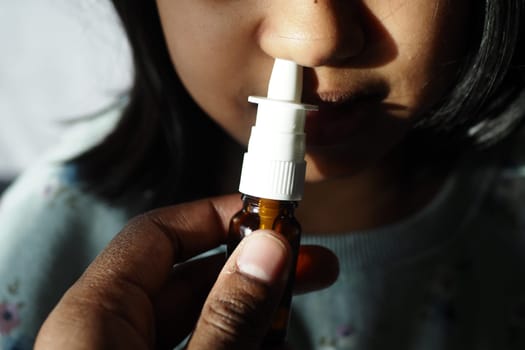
<point x="337" y="98"/>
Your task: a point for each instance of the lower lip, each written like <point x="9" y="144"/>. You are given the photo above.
<point x="332" y="126"/>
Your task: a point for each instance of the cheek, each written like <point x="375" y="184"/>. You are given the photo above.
<point x="431" y="37"/>
<point x="209" y="56"/>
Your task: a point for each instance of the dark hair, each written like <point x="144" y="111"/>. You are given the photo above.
<point x="482" y="104"/>
<point x="162" y="146"/>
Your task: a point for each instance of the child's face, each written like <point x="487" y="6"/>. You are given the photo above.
<point x="374" y="66"/>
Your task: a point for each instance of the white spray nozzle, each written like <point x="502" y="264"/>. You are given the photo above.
<point x="274" y="165"/>
<point x="286" y="81"/>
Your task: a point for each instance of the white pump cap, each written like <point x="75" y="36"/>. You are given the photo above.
<point x="274" y="165"/>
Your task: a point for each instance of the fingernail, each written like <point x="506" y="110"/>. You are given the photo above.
<point x="262" y="256"/>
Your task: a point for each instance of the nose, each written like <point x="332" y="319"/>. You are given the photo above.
<point x="312" y="33"/>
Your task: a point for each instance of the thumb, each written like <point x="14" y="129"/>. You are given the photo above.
<point x="240" y="306"/>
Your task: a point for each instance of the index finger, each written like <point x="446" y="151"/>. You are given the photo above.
<point x="144" y="252"/>
<point x="114" y="296"/>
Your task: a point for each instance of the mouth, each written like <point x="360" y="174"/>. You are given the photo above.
<point x="341" y="114"/>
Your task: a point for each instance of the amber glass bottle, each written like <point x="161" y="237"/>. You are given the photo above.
<point x="277" y="215"/>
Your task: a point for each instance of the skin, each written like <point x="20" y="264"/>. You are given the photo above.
<point x="373" y="67"/>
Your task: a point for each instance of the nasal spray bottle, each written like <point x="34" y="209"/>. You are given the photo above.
<point x="273" y="172"/>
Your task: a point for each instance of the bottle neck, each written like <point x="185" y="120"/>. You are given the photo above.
<point x="268" y="209"/>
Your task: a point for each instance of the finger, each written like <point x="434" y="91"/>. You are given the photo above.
<point x="317" y="268"/>
<point x="239" y="308"/>
<point x="178" y="304"/>
<point x="115" y="291"/>
<point x="145" y="251"/>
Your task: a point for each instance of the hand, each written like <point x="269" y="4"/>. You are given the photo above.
<point x="131" y="297"/>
